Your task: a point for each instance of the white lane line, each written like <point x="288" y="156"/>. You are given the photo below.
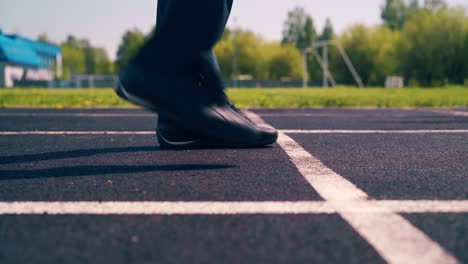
<point x="227" y="208"/>
<point x="344" y="114"/>
<point x="451" y="112"/>
<point x="285" y="131"/>
<point x="77" y="115"/>
<point x="459" y="113"/>
<point x="10" y="133"/>
<point x="165" y="208"/>
<point x="299" y="131"/>
<point x="392" y="236"/>
<point x="420" y="206"/>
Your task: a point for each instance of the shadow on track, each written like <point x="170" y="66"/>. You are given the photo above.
<point x="90" y="152"/>
<point x="72" y="154"/>
<point x="74" y="171"/>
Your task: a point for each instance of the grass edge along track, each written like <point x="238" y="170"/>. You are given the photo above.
<point x="452" y="96"/>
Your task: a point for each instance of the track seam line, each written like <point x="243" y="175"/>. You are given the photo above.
<point x="391" y="235"/>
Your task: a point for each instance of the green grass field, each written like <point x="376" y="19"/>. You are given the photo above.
<point x="454" y="96"/>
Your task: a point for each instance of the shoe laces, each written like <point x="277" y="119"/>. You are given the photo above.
<point x="219" y="95"/>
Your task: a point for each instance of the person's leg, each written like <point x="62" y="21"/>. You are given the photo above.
<point x="209" y="63"/>
<point x="168" y="134"/>
<point x="185" y="29"/>
<point x="165" y="75"/>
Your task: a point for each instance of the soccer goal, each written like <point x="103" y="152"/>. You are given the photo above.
<point x="323" y="62"/>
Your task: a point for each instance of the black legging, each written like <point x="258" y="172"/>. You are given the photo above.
<point x="184" y="30"/>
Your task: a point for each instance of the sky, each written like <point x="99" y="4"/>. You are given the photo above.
<point x="104" y="21"/>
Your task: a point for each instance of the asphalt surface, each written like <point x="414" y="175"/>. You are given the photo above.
<point x="131" y="167"/>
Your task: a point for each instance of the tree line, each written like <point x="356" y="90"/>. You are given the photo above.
<point x="80" y="56"/>
<point x="426" y="43"/>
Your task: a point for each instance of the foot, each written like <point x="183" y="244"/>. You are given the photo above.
<point x="184" y="102"/>
<point x="171" y="137"/>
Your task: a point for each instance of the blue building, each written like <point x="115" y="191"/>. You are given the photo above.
<point x="23" y="60"/>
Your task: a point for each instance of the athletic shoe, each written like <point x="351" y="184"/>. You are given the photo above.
<point x="183" y="100"/>
<point x="171" y="137"/>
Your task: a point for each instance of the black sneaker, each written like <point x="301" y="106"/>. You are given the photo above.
<point x="184" y="103"/>
<point x="171" y="137"/>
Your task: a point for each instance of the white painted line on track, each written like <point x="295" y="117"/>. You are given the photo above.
<point x="286" y="131"/>
<point x="77" y="115"/>
<point x="227" y="208"/>
<point x="419" y="206"/>
<point x="392" y="236"/>
<point x="10" y="133"/>
<point x="451" y="112"/>
<point x="300" y="131"/>
<point x="165" y="208"/>
<point x="342" y="114"/>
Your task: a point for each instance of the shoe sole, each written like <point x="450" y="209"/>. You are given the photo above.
<point x="121" y="92"/>
<point x="166" y="143"/>
<point x="201" y="144"/>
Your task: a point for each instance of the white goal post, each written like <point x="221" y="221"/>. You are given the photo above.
<point x="323" y="62"/>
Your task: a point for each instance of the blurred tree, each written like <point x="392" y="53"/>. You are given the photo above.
<point x="74" y="42"/>
<point x="383" y="48"/>
<point x="357" y="42"/>
<point x="412" y="8"/>
<point x="431" y="47"/>
<point x="249" y="55"/>
<point x="299" y="29"/>
<point x="74" y="60"/>
<point x="89" y="58"/>
<point x="132" y="41"/>
<point x="44" y="38"/>
<point x="372" y="51"/>
<point x="413" y="4"/>
<point x="96" y="59"/>
<point x="250" y="59"/>
<point x="257" y="58"/>
<point x="328" y="33"/>
<point x="314" y="68"/>
<point x="435" y="5"/>
<point x="309" y="34"/>
<point x="465" y="53"/>
<point x="102" y="63"/>
<point x="286" y="62"/>
<point x="79" y="56"/>
<point x="393" y="13"/>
